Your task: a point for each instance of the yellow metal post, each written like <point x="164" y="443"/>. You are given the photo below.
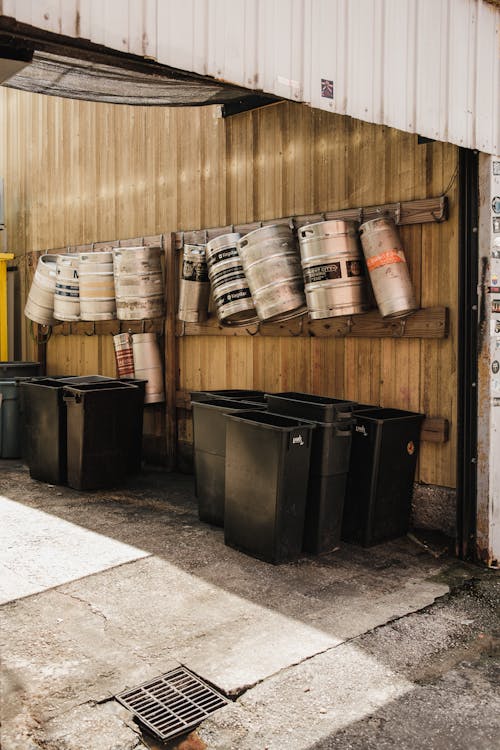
<point x="4" y="344"/>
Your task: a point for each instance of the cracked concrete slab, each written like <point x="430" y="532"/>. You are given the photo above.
<point x="39" y="551"/>
<point x="428" y="680"/>
<point x="233" y="619"/>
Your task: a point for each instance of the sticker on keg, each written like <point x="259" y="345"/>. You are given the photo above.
<point x="324" y="272"/>
<point x="495" y="305"/>
<point x="194" y="271"/>
<point x="495" y="367"/>
<point x="387" y="258"/>
<point x="238" y="294"/>
<point x="298" y="440"/>
<point x="496" y="167"/>
<point x="410" y="448"/>
<point x="496" y="224"/>
<point x="228" y="252"/>
<point x="495" y="204"/>
<point x="354" y="268"/>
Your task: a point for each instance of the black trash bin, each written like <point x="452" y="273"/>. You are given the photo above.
<point x="135" y="452"/>
<point x="329" y="464"/>
<point x="103" y="420"/>
<point x="381" y="473"/>
<point x="12" y="370"/>
<point x="44" y="417"/>
<point x="267" y="468"/>
<point x="209" y="430"/>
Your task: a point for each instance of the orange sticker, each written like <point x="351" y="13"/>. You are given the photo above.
<point x="385" y="259"/>
<point x="411" y="448"/>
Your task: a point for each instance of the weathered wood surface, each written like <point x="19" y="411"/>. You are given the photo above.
<point x="78" y="172"/>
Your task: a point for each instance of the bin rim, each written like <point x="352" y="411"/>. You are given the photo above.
<point x="398" y="414"/>
<point x="318" y="399"/>
<point x="100" y="386"/>
<point x="226" y="403"/>
<point x="246" y="416"/>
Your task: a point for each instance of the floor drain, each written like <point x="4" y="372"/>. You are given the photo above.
<point x="173" y="703"/>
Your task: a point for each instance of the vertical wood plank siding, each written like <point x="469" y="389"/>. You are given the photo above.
<point x="77" y="172"/>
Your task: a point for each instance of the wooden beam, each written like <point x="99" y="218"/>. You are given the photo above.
<point x="171" y="367"/>
<point x="431" y="322"/>
<point x="105" y="327"/>
<point x="435" y="430"/>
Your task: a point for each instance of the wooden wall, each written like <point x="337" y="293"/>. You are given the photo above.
<point x="77" y="172"/>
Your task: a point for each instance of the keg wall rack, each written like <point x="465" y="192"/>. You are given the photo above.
<point x="426" y="323"/>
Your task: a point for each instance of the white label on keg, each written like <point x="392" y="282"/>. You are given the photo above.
<point x="362" y="429"/>
<point x="298" y="440"/>
<point x="238" y="294"/>
<point x="323" y="272"/>
<point x="228" y="252"/>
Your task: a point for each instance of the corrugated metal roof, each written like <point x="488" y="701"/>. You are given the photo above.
<point x="425" y="66"/>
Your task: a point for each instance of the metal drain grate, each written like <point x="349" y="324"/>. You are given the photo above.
<point x="173" y="703"/>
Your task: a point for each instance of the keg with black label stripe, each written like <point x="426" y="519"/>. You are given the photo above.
<point x="230" y="290"/>
<point x="333" y="268"/>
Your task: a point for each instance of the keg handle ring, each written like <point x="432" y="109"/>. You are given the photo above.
<point x="254" y="333"/>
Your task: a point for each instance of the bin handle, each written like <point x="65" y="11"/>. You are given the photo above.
<point x="70" y="397"/>
<point x="342" y="433"/>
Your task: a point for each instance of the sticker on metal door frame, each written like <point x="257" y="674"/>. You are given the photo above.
<point x="326" y="88"/>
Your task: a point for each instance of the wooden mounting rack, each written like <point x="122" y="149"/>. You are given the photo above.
<point x="403" y="213"/>
<point x="429" y="323"/>
<point x="112" y="327"/>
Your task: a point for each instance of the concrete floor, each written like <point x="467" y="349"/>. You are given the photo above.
<point x="380" y="648"/>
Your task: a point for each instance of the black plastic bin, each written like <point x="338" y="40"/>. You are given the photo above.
<point x="135" y="447"/>
<point x="44" y="417"/>
<point x="103" y="422"/>
<point x="329" y="464"/>
<point x="381" y="473"/>
<point x="209" y="429"/>
<point x="267" y="468"/>
<point x="12" y="370"/>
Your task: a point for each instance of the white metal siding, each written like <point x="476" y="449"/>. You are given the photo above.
<point x="426" y="66"/>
